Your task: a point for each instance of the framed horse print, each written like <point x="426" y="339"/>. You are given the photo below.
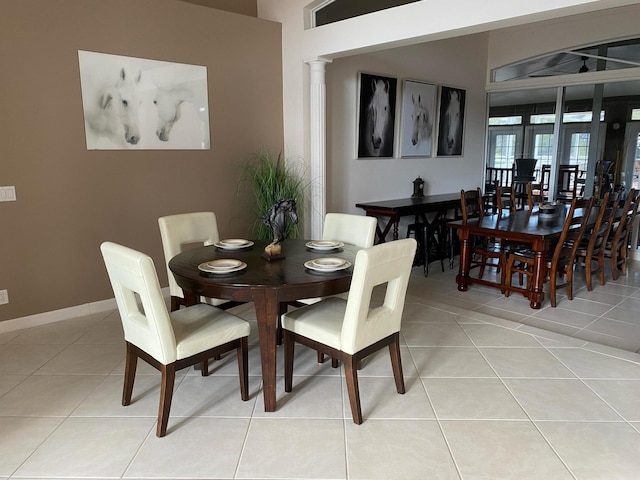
<point x="376" y="116"/>
<point x="417" y="121"/>
<point x="451" y="121"/>
<point x="143" y="104"/>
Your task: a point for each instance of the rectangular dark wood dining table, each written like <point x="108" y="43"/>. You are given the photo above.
<point x="403" y="207"/>
<point x="270" y="285"/>
<point x="524" y="226"/>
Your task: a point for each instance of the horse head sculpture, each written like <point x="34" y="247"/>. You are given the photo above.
<point x="277" y="217"/>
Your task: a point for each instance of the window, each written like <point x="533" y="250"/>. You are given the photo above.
<point x="505" y="144"/>
<point x="579" y="150"/>
<point x="513" y="120"/>
<point x="572" y="117"/>
<point x="543" y="148"/>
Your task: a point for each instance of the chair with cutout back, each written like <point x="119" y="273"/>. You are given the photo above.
<point x="168" y="341"/>
<point x="352" y="329"/>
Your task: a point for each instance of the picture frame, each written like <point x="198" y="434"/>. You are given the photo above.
<point x="451" y="121"/>
<point x="137" y="103"/>
<point x="418" y="118"/>
<point x="376" y="115"/>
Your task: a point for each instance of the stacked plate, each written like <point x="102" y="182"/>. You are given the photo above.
<point x="327" y="264"/>
<point x="324" y="245"/>
<point x="222" y="265"/>
<point x="233" y="244"/>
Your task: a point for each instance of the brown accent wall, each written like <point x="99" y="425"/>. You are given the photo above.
<point x="69" y="199"/>
<point x="244" y="7"/>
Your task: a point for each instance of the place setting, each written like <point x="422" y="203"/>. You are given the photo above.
<point x="327" y="264"/>
<point x="324" y="245"/>
<point x="222" y="266"/>
<point x="233" y="244"/>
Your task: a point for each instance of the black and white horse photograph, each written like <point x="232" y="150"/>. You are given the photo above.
<point x="136" y="103"/>
<point x="418" y="113"/>
<point x="377" y="113"/>
<point x="451" y="121"/>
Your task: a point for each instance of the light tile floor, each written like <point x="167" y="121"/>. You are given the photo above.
<point x="490" y="395"/>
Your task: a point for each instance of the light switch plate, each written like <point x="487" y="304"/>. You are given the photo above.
<point x="8" y="194"/>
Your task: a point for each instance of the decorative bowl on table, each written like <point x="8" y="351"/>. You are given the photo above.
<point x="549" y="210"/>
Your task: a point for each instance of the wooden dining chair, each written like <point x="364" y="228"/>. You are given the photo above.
<point x="353" y="329"/>
<point x="560" y="260"/>
<point x="471" y="206"/>
<point x="592" y="246"/>
<point x="168" y="341"/>
<point x="617" y="247"/>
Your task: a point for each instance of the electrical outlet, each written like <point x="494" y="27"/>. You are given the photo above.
<point x="8" y="194"/>
<point x="4" y="297"/>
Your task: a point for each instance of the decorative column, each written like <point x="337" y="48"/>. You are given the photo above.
<point x="317" y="144"/>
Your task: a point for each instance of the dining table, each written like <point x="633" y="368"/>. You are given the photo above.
<point x="305" y="270"/>
<point x="418" y="206"/>
<point x="526" y="227"/>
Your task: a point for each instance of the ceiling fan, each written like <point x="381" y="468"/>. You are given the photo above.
<point x="584" y="68"/>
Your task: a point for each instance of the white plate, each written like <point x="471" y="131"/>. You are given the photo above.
<point x="222" y="265"/>
<point x="327" y="264"/>
<point x="233" y="243"/>
<point x="324" y="245"/>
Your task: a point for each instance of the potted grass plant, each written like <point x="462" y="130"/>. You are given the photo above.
<point x="269" y="180"/>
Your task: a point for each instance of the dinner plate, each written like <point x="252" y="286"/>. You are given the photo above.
<point x="233" y="243"/>
<point x="327" y="264"/>
<point x="324" y="245"/>
<point x="222" y="265"/>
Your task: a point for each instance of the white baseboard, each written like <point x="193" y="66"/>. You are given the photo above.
<point x="62" y="314"/>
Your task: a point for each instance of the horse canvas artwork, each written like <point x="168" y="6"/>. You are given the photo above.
<point x="376" y="116"/>
<point x="418" y="111"/>
<point x="135" y="103"/>
<point x="451" y="123"/>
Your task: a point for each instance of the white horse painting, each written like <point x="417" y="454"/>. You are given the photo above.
<point x="112" y="112"/>
<point x="377" y="114"/>
<point x="140" y="103"/>
<point x="451" y="121"/>
<point x="172" y="102"/>
<point x="418" y="109"/>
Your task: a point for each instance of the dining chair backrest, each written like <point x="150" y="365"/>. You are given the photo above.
<point x="532" y="198"/>
<point x="471" y="204"/>
<point x="388" y="263"/>
<point x="358" y="230"/>
<point x="147" y="324"/>
<point x="567" y="182"/>
<point x="604" y="221"/>
<point x="626" y="217"/>
<point x="545" y="180"/>
<point x="505" y="199"/>
<point x="182" y="231"/>
<point x="573" y="230"/>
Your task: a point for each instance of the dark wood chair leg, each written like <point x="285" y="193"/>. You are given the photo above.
<point x="320" y="357"/>
<point x="334" y="363"/>
<point x="396" y="363"/>
<point x="351" y="376"/>
<point x="289" y="350"/>
<point x="131" y="363"/>
<point x="204" y="366"/>
<point x="166" y="394"/>
<point x="243" y="368"/>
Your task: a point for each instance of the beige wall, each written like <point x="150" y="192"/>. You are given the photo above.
<point x="244" y="7"/>
<point x="70" y="199"/>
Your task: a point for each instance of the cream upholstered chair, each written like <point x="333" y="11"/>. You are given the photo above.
<point x="183" y="229"/>
<point x="352" y="329"/>
<point x="358" y="230"/>
<point x="168" y="341"/>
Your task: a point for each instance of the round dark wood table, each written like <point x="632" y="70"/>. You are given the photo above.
<point x="270" y="285"/>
